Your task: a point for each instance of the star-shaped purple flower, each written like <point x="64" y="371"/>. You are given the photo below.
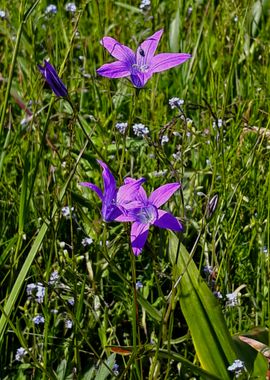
<point x="52" y="79"/>
<point x="114" y="201"/>
<point x="139" y="65"/>
<point x="148" y="212"/>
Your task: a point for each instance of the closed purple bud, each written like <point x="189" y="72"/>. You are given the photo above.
<point x="52" y="79"/>
<point x="211" y="207"/>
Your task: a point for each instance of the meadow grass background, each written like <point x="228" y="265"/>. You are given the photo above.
<point x="44" y="154"/>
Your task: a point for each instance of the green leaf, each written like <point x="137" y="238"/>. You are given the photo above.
<point x="150" y="310"/>
<point x="61" y="370"/>
<point x="175" y="31"/>
<point x="103" y="371"/>
<point x="213" y="344"/>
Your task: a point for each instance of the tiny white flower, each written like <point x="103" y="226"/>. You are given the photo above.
<point x="219" y="123"/>
<point x="67" y="211"/>
<point x="164" y="139"/>
<point x="62" y="244"/>
<point x="87" y="241"/>
<point x="20" y="354"/>
<point x="68" y="324"/>
<point x="175" y="102"/>
<point x="71" y="301"/>
<point x="233" y="299"/>
<point x="161" y="173"/>
<point x="2" y="14"/>
<point x="145" y="5"/>
<point x="121" y="127"/>
<point x="70" y="7"/>
<point x="54" y="277"/>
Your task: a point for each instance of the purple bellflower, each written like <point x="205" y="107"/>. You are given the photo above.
<point x="147" y="212"/>
<point x="115" y="201"/>
<point x="139" y="65"/>
<point x="52" y="79"/>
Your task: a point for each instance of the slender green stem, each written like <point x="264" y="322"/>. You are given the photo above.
<point x="12" y="66"/>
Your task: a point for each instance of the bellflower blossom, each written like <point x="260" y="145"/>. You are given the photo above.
<point x="139" y="65"/>
<point x="52" y="79"/>
<point x="114" y="200"/>
<point x="148" y="212"/>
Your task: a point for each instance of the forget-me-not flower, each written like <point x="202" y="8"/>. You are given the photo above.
<point x="51" y="9"/>
<point x="20" y="354"/>
<point x="139" y="65"/>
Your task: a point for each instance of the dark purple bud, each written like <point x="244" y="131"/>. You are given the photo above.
<point x="52" y="79"/>
<point x="211" y="206"/>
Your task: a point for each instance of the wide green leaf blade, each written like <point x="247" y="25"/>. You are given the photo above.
<point x="214" y="345"/>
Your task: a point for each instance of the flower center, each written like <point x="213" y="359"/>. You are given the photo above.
<point x="147" y="214"/>
<point x="141" y="68"/>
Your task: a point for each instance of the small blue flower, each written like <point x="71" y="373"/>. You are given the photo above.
<point x="87" y="241"/>
<point x="20" y="354"/>
<point x="51" y="9"/>
<point x="140" y="130"/>
<point x="139" y="285"/>
<point x="115" y="369"/>
<point x="70" y="7"/>
<point x="145" y="5"/>
<point x="39" y="319"/>
<point x="67" y="211"/>
<point x="54" y="277"/>
<point x="121" y="127"/>
<point x="164" y="139"/>
<point x="176" y="103"/>
<point x="36" y="291"/>
<point x="238" y="367"/>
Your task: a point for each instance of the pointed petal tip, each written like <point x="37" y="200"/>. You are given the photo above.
<point x="136" y="251"/>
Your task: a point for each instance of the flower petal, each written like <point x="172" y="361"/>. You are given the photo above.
<point x="121" y="52"/>
<point x="147" y="49"/>
<point x="53" y="80"/>
<point x="109" y="211"/>
<point x="93" y="187"/>
<point x="128" y="192"/>
<point x="138" y="235"/>
<point x="139" y="79"/>
<point x="114" y="70"/>
<point x="163" y="193"/>
<point x="141" y="194"/>
<point x="108" y="179"/>
<point x="165" y="61"/>
<point x="168" y="221"/>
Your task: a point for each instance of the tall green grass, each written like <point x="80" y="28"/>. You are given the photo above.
<point x="174" y="326"/>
